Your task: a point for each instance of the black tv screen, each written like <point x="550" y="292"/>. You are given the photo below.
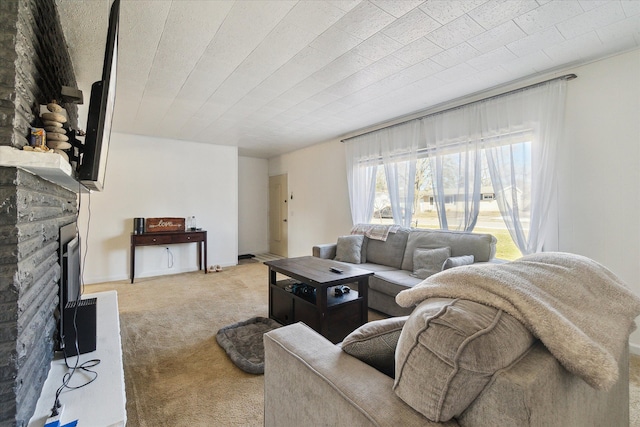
<point x="93" y="164"/>
<point x="70" y="288"/>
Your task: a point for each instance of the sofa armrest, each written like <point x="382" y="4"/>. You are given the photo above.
<point x="326" y="251"/>
<point x="310" y="381"/>
<point x="538" y="391"/>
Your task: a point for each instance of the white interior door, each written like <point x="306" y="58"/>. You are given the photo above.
<point x="278" y="215"/>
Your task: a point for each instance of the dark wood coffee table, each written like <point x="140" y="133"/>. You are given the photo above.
<point x="332" y="316"/>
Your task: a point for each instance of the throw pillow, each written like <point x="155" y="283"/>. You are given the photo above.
<point x="375" y="343"/>
<point x="449" y="350"/>
<point x="349" y="248"/>
<point x="457" y="261"/>
<point x="427" y="262"/>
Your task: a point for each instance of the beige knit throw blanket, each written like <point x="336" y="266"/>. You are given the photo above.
<point x="579" y="309"/>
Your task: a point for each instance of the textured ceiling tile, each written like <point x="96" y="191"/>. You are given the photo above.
<point x="595" y="18"/>
<point x="364" y="20"/>
<point x="314" y="16"/>
<point x="530" y="64"/>
<point x="499" y="36"/>
<point x="352" y="84"/>
<point x="188" y="29"/>
<point x="548" y="15"/>
<point x="377" y="47"/>
<point x="201" y="84"/>
<point x="251" y="83"/>
<point x="386" y="67"/>
<point x="341" y="68"/>
<point x="631" y="7"/>
<point x="573" y="49"/>
<point x="450" y="57"/>
<point x="397" y="8"/>
<point x="335" y="42"/>
<point x="536" y="42"/>
<point x="496" y="12"/>
<point x="494" y="58"/>
<point x="279" y="47"/>
<point x="418" y="51"/>
<point x="345" y="5"/>
<point x="592" y="4"/>
<point x="411" y="27"/>
<point x="418" y="72"/>
<point x="446" y="11"/>
<point x="455" y="32"/>
<point x="626" y="29"/>
<point x="323" y="98"/>
<point x="457" y="72"/>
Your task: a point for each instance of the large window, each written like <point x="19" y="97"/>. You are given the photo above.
<point x="424" y="210"/>
<point x="485" y="166"/>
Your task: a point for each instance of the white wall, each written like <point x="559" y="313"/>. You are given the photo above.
<point x="152" y="177"/>
<point x="599" y="175"/>
<point x="253" y="205"/>
<point x="319" y="211"/>
<point x="600" y="168"/>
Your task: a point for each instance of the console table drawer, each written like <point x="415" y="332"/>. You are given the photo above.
<point x="153" y="240"/>
<point x="187" y="238"/>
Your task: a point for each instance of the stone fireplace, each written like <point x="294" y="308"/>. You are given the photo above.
<point x="34" y="65"/>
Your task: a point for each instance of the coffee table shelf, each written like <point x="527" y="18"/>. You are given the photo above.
<point x="332" y="316"/>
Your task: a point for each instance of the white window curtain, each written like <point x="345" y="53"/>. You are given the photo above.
<point x="519" y="134"/>
<point x="527" y="198"/>
<point x="362" y="157"/>
<point x="452" y="141"/>
<point x="399" y="146"/>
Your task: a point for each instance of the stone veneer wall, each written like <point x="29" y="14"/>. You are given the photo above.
<point x="33" y="210"/>
<point x="34" y="64"/>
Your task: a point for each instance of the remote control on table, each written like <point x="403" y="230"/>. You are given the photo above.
<point x="335" y="270"/>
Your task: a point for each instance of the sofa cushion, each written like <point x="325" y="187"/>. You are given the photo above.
<point x="458" y="261"/>
<point x="390" y="251"/>
<point x="349" y="248"/>
<point x="392" y="282"/>
<point x="427" y="262"/>
<point x="448" y="351"/>
<point x="375" y="343"/>
<point x="481" y="246"/>
<point x="376" y="267"/>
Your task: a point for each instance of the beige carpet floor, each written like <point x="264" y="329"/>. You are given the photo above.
<point x="175" y="372"/>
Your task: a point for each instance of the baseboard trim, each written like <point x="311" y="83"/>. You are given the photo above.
<point x="634" y="349"/>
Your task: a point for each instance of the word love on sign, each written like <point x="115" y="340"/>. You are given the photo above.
<point x="156" y="225"/>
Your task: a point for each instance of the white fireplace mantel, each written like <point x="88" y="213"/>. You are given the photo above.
<point x="49" y="166"/>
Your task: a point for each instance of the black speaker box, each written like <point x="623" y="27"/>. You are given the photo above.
<point x="84" y="312"/>
<point x="138" y="225"/>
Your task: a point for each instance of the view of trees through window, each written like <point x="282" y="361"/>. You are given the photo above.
<point x="424" y="210"/>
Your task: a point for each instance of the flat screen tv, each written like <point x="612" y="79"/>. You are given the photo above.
<point x="93" y="165"/>
<point x="70" y="282"/>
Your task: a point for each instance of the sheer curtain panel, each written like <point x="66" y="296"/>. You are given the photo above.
<point x="399" y="146"/>
<point x="527" y="197"/>
<point x="362" y="157"/>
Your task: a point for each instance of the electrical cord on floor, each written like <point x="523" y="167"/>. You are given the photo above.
<point x="169" y="258"/>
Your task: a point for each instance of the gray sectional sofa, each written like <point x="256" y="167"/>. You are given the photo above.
<point x="392" y="260"/>
<point x="523" y="343"/>
<point x="310" y="381"/>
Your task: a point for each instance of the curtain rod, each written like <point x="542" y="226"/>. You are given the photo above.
<point x="564" y="77"/>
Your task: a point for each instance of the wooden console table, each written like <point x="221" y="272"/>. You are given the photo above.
<point x="170" y="238"/>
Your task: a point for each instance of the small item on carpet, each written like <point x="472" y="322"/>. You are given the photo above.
<point x="243" y="344"/>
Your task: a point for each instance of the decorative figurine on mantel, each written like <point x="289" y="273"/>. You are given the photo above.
<point x="51" y="138"/>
